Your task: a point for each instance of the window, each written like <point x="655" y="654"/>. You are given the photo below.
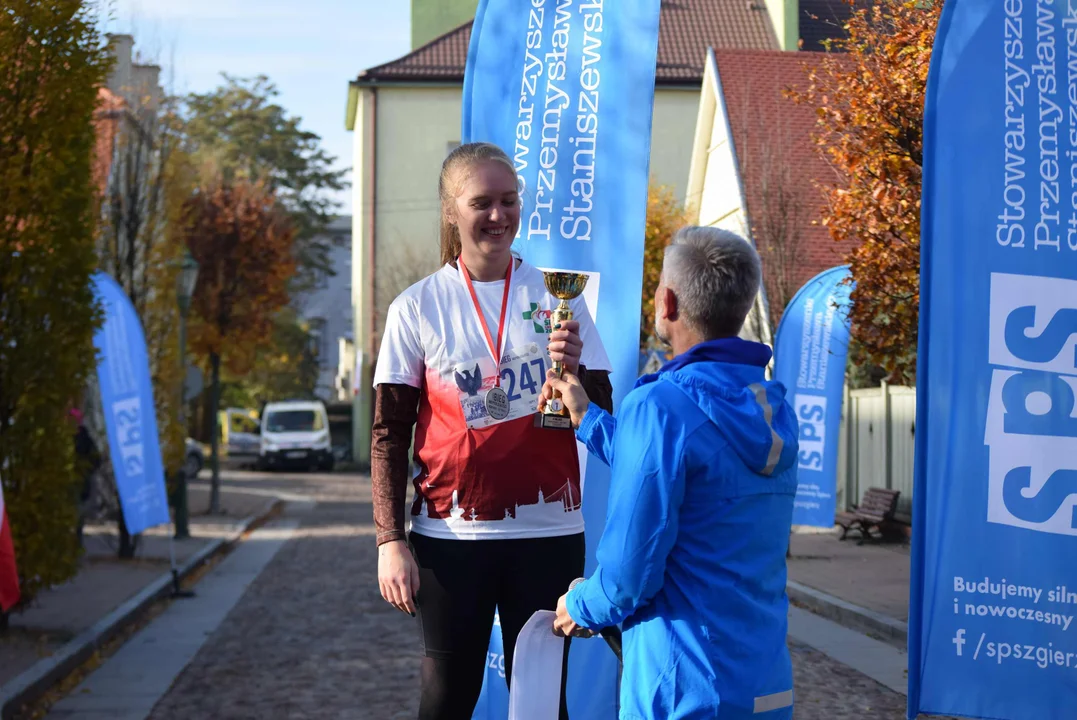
<point x="242" y="423"/>
<point x="293" y="421"/>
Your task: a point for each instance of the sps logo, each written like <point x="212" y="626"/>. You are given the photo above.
<point x="127" y="419"/>
<point x="811" y="415"/>
<point x="1031" y="429"/>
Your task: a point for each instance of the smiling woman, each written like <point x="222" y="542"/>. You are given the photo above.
<point x="463" y="359"/>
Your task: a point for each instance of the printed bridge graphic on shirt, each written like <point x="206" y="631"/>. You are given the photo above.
<point x="539" y="318"/>
<point x="563" y="500"/>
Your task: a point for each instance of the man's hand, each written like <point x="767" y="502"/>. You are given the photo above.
<point x="566" y="346"/>
<point x="564" y="625"/>
<point x="398" y="576"/>
<point x="572" y="395"/>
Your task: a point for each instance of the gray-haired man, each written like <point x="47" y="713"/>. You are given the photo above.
<point x="703" y="458"/>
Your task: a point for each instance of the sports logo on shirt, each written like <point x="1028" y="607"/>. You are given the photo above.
<point x="469" y="382"/>
<point x="539" y="318"/>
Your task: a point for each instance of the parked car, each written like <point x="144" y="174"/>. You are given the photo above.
<point x="239" y="430"/>
<point x="295" y="433"/>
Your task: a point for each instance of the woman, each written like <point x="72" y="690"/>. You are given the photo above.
<point x="496" y="521"/>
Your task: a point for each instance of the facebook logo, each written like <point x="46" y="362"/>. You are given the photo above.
<point x="959" y="641"/>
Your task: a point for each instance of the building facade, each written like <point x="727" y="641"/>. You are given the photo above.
<point x="431" y="18"/>
<point x="327" y="311"/>
<point x="755" y="167"/>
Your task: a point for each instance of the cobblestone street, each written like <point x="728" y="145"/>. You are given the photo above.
<point x="311" y="637"/>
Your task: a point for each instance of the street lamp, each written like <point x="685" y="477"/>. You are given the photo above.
<point x="185" y="284"/>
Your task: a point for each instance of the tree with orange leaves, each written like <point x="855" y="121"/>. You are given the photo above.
<point x="664" y="217"/>
<point x="244" y="243"/>
<point x="870" y="127"/>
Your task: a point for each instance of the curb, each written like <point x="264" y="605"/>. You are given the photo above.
<point x="37" y="680"/>
<point x="854" y="617"/>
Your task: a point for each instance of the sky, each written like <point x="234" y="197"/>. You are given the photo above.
<point x="310" y="49"/>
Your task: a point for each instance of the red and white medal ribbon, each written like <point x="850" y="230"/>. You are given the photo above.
<point x="496" y="400"/>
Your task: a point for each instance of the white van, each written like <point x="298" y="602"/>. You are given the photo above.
<point x="295" y="434"/>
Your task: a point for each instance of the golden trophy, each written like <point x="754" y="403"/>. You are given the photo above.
<point x="564" y="286"/>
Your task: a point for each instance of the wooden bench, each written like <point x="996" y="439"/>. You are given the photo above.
<point x="876" y="510"/>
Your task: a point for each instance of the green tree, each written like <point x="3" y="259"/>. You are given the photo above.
<point x="244" y="244"/>
<point x="53" y="63"/>
<point x="286" y="368"/>
<point x="241" y="131"/>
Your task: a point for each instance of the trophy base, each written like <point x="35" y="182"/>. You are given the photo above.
<point x="553" y="422"/>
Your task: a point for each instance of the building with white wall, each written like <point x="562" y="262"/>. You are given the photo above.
<point x="755" y="168"/>
<point x="327" y="310"/>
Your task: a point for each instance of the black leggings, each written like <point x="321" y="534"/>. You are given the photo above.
<point x="461" y="582"/>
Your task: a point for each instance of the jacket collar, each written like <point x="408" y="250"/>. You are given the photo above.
<point x="724" y="350"/>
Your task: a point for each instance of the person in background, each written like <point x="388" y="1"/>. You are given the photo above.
<point x="497" y="519"/>
<point x="703" y="457"/>
<point x="87" y="462"/>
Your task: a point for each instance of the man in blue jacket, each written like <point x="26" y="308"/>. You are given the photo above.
<point x="703" y="457"/>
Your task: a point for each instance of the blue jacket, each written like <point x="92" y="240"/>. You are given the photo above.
<point x="692" y="560"/>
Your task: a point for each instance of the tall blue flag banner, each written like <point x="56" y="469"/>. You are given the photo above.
<point x="994" y="586"/>
<point x="123" y="374"/>
<point x="809" y="359"/>
<point x="566" y="87"/>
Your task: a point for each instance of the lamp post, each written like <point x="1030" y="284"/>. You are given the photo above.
<point x="185" y="284"/>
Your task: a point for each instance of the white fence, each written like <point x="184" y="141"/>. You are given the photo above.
<point x="875" y="445"/>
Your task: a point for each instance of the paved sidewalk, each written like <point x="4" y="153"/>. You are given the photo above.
<point x="104" y="582"/>
<point x="130" y="683"/>
<point x="873" y="576"/>
<point x="312" y="638"/>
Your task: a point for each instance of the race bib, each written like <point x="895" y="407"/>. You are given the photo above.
<point x="522" y="373"/>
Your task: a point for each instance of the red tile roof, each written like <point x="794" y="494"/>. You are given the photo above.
<point x="686" y="29"/>
<point x="443" y="58"/>
<point x="779" y="163"/>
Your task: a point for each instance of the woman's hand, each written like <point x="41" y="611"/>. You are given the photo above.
<point x="566" y="346"/>
<point x="398" y="576"/>
<point x="573" y="395"/>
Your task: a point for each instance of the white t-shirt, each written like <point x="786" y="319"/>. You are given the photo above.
<point x="479" y="477"/>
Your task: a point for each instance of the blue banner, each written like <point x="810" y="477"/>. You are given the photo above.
<point x="494" y="700"/>
<point x="566" y="87"/>
<point x="810" y="348"/>
<point x="123" y="373"/>
<point x="994" y="583"/>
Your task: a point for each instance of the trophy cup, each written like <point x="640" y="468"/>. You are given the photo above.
<point x="564" y="286"/>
